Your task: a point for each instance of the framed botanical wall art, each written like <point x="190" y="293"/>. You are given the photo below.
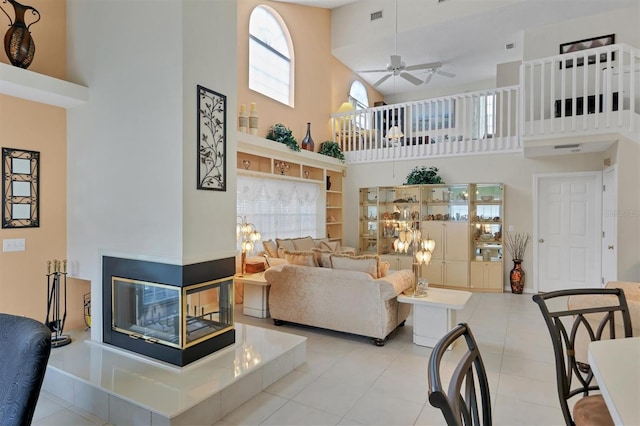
<point x="20" y="188"/>
<point x="212" y="140"/>
<point x="589" y="43"/>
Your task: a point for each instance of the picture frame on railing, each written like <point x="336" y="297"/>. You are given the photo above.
<point x="589" y="43"/>
<point x="433" y="115"/>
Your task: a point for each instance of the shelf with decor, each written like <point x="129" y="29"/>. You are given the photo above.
<point x="487" y="219"/>
<point x="448" y="214"/>
<point x="262" y="157"/>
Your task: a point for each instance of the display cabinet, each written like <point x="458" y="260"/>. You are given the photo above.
<point x="487" y="219"/>
<point x="465" y="221"/>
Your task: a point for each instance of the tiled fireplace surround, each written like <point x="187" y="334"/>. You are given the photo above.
<point x="128" y="388"/>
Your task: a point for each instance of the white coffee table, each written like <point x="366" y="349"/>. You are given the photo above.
<point x="435" y="314"/>
<point x="256" y="294"/>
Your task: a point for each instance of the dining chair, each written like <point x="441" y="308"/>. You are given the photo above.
<point x="25" y="345"/>
<point x="574" y="318"/>
<point x="467" y="400"/>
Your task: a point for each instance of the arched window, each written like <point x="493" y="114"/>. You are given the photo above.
<point x="360" y="100"/>
<point x="270" y="55"/>
<point x="358" y="95"/>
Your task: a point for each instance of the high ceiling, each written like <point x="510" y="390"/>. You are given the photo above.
<point x="467" y="36"/>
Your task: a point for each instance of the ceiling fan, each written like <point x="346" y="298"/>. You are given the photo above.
<point x="396" y="67"/>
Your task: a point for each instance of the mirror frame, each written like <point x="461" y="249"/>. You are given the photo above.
<point x="9" y="217"/>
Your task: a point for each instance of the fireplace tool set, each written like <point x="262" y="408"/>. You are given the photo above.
<point x="57" y="288"/>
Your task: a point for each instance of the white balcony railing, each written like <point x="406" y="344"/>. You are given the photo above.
<point x="471" y="123"/>
<point x="560" y="99"/>
<point x="497" y="121"/>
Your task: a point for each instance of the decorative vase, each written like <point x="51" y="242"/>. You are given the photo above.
<point x="328" y="183"/>
<point x="18" y="43"/>
<point x="516" y="276"/>
<point x="307" y="142"/>
<point x="243" y="119"/>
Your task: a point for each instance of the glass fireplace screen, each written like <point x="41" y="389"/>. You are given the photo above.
<point x="174" y="316"/>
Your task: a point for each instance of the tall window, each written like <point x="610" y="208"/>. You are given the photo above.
<point x="270" y="55"/>
<point x="279" y="208"/>
<point x="484" y="116"/>
<point x="360" y="100"/>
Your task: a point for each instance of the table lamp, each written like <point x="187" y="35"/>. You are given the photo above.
<point x="421" y="254"/>
<point x="248" y="235"/>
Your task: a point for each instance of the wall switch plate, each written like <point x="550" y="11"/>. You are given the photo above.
<point x="511" y="228"/>
<point x="13" y="244"/>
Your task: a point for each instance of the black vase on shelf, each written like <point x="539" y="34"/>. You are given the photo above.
<point x="18" y="43"/>
<point x="307" y="142"/>
<point x="328" y="183"/>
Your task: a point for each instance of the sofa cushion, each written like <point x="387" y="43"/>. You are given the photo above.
<point x="302" y="258"/>
<point x="330" y="245"/>
<point x="271" y="248"/>
<point x="286" y="244"/>
<point x="303" y="244"/>
<point x="364" y="263"/>
<point x="383" y="268"/>
<point x="318" y="241"/>
<point x="323" y="257"/>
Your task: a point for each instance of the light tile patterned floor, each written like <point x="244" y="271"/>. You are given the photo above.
<point x="348" y="381"/>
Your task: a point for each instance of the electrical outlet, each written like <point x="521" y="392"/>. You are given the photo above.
<point x="13" y="244"/>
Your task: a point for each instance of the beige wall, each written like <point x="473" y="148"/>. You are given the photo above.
<point x="321" y="81"/>
<point x="37" y="127"/>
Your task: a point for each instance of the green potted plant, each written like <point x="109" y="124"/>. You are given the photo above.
<point x="280" y="133"/>
<point x="423" y="174"/>
<point x="331" y="149"/>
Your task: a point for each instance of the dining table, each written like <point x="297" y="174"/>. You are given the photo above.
<point x="616" y="367"/>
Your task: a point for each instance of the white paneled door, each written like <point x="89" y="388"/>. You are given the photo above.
<point x="568" y="231"/>
<point x="609" y="226"/>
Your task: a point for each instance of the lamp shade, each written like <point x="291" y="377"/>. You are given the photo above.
<point x="395" y="133"/>
<point x="346" y="107"/>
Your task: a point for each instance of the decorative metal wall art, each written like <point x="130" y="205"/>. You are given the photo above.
<point x="212" y="140"/>
<point x="20" y="188"/>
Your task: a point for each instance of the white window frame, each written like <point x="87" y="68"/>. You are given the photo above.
<point x="287" y="56"/>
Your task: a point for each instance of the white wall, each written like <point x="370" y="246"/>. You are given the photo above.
<point x="131" y="161"/>
<point x="515" y="171"/>
<point x="544" y="42"/>
<point x="209" y="49"/>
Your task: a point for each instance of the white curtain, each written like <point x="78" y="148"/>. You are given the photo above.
<point x="278" y="207"/>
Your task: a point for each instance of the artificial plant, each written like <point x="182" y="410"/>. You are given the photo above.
<point x="280" y="133"/>
<point x="423" y="174"/>
<point x="331" y="149"/>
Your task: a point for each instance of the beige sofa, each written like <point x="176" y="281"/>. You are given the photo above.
<point x="343" y="300"/>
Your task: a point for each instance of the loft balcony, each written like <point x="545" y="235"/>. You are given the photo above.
<point x="555" y="104"/>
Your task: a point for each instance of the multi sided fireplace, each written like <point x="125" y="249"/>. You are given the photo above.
<point x="177" y="314"/>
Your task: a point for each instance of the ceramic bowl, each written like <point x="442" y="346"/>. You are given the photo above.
<point x="486" y="197"/>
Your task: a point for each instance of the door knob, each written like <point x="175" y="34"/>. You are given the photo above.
<point x="541" y="240"/>
<point x="610" y="247"/>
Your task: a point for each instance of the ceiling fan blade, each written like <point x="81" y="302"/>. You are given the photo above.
<point x="396" y="61"/>
<point x="410" y="78"/>
<point x="428" y="79"/>
<point x="382" y="80"/>
<point x="428" y="66"/>
<point x="363" y="71"/>
<point x="445" y="73"/>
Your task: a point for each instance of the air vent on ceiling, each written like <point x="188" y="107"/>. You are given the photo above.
<point x="567" y="146"/>
<point x="509" y="46"/>
<point x="376" y="15"/>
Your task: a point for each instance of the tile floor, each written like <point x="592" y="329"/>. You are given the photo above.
<point x="348" y="381"/>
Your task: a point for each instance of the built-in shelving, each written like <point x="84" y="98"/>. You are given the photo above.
<point x="263" y="157"/>
<point x="41" y="88"/>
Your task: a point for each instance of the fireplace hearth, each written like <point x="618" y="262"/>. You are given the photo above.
<point x="177" y="314"/>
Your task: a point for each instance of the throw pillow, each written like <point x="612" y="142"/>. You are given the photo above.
<point x="323" y="257"/>
<point x="365" y="263"/>
<point x="286" y="244"/>
<point x="303" y="244"/>
<point x="318" y="241"/>
<point x="330" y="245"/>
<point x="383" y="269"/>
<point x="270" y="247"/>
<point x="302" y="258"/>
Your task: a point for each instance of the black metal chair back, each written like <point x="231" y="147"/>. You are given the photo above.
<point x="25" y="345"/>
<point x="467" y="400"/>
<point x="595" y="321"/>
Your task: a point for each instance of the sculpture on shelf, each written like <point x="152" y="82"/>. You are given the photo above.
<point x="18" y="43"/>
